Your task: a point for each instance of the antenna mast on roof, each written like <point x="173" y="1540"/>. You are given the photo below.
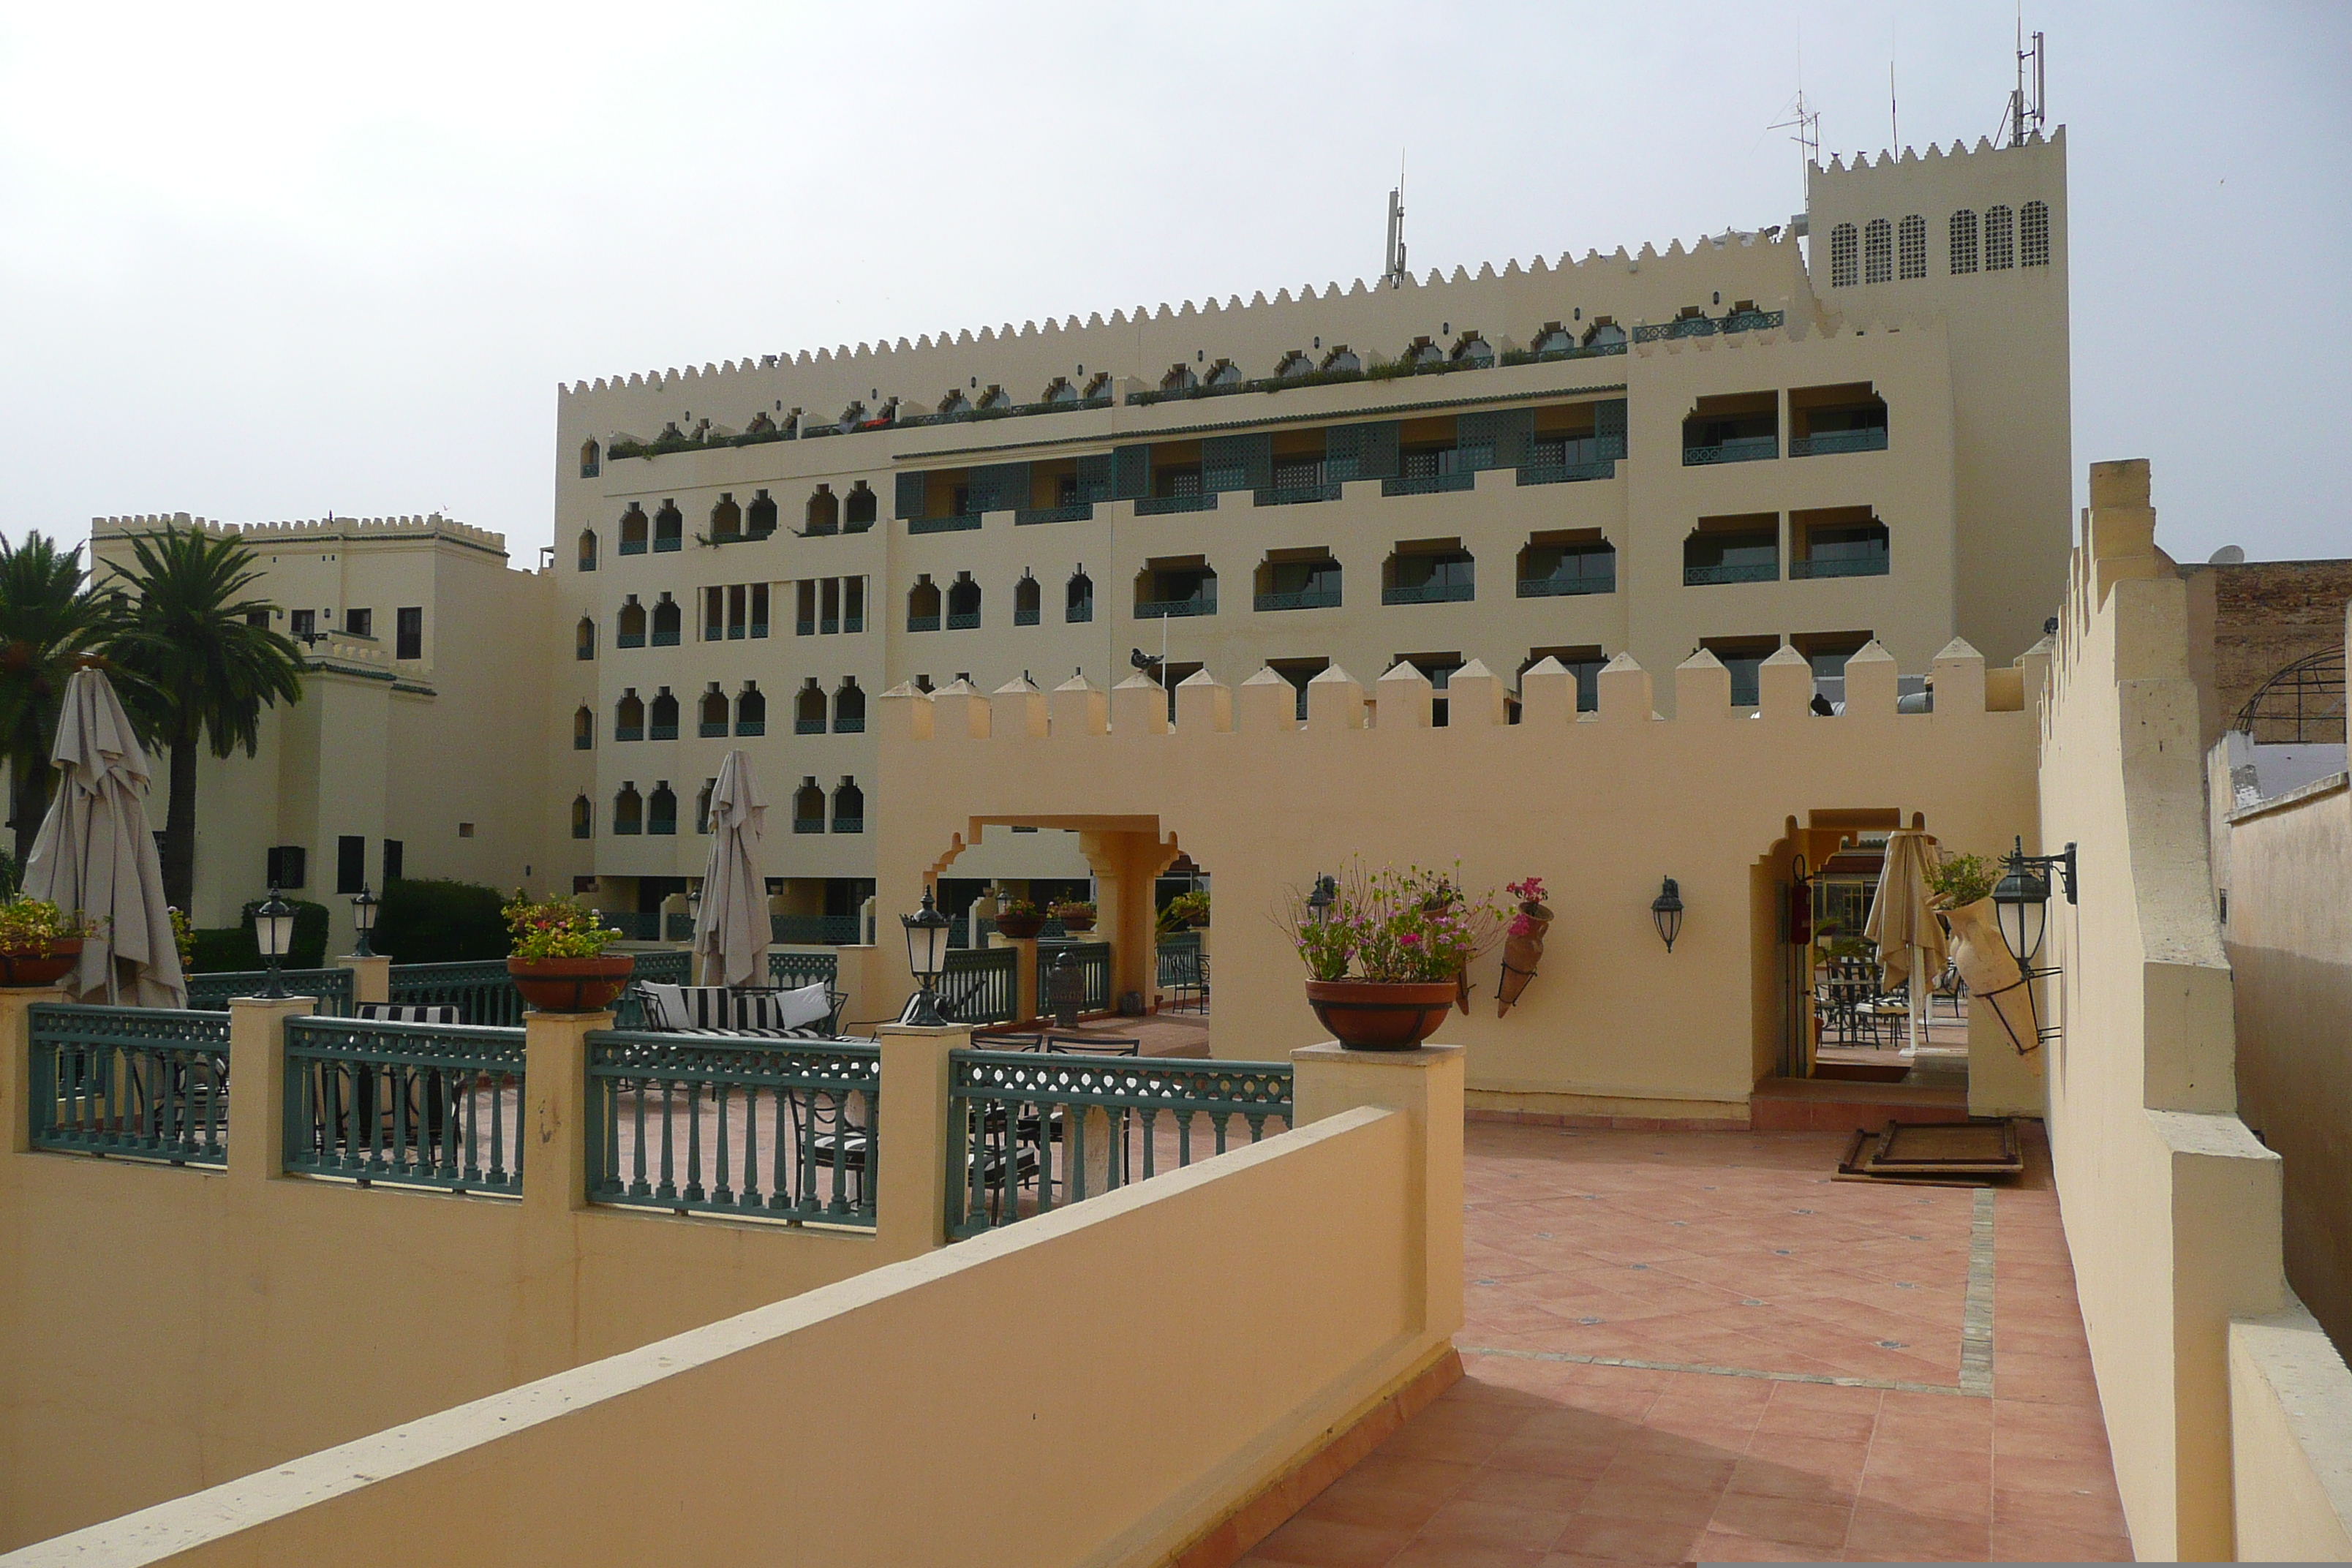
<point x="2026" y="108"/>
<point x="1392" y="265"/>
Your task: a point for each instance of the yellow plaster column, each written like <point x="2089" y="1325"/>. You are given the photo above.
<point x="553" y="1148"/>
<point x="1025" y="1002"/>
<point x="256" y="1066"/>
<point x="910" y="1189"/>
<point x="371" y="977"/>
<point x="17" y="1064"/>
<point x="1426" y="1085"/>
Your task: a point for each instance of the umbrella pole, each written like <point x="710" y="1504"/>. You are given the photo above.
<point x="1918" y="995"/>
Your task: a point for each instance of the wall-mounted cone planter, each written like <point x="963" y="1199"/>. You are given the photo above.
<point x="1520" y="956"/>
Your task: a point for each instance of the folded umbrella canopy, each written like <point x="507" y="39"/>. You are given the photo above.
<point x="96" y="854"/>
<point x="1903" y="920"/>
<point x="732" y="931"/>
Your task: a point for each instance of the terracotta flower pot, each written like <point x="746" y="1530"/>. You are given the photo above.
<point x="1520" y="956"/>
<point x="26" y="969"/>
<point x="1380" y="1015"/>
<point x="1075" y="924"/>
<point x="572" y="985"/>
<point x="1020" y="926"/>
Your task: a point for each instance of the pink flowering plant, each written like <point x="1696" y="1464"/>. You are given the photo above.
<point x="556" y="928"/>
<point x="1532" y="913"/>
<point x="1413" y="927"/>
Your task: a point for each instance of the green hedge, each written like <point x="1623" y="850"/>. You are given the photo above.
<point x="431" y="920"/>
<point x="225" y="950"/>
<point x="235" y="949"/>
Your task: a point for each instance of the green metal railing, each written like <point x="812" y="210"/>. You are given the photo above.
<point x="1093" y="959"/>
<point x="1175" y="609"/>
<point x="412" y="1105"/>
<point x="1430" y="594"/>
<point x="1825" y="443"/>
<point x="1080" y="512"/>
<point x="146" y="1083"/>
<point x="1430" y="484"/>
<point x="1164" y="506"/>
<point x="211" y="993"/>
<point x="1566" y="473"/>
<point x="1305" y="599"/>
<point x="1560" y="587"/>
<point x="980" y="985"/>
<point x="838" y="930"/>
<point x="1174" y="955"/>
<point x="943" y="524"/>
<point x="481" y="990"/>
<point x="1840" y="566"/>
<point x="1023" y="1125"/>
<point x="1707" y="576"/>
<point x="922" y="623"/>
<point x="680" y="1123"/>
<point x="1740" y="449"/>
<point x="1295" y="495"/>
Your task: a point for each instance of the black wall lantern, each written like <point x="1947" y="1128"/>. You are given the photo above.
<point x="1666" y="913"/>
<point x="927" y="948"/>
<point x="363" y="922"/>
<point x="2022" y="902"/>
<point x="273" y="928"/>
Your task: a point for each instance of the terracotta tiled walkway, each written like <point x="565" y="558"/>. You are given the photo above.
<point x="1746" y="1279"/>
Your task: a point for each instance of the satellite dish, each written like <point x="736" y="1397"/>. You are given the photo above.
<point x="2228" y="555"/>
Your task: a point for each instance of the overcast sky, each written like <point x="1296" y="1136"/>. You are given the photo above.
<point x="261" y="263"/>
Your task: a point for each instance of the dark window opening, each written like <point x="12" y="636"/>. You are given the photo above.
<point x="350" y="863"/>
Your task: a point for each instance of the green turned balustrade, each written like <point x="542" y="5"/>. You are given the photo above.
<point x="412" y="1105"/>
<point x="149" y="1083"/>
<point x="211" y="993"/>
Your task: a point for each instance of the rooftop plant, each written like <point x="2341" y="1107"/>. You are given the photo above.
<point x="555" y="928"/>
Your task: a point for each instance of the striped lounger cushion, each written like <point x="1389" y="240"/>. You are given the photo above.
<point x="408" y="1013"/>
<point x="715" y="1010"/>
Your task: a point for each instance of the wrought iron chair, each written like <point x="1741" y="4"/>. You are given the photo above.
<point x="1093" y="1046"/>
<point x="1189" y="981"/>
<point x="830" y="1132"/>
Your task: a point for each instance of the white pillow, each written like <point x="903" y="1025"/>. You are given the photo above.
<point x="809" y="1005"/>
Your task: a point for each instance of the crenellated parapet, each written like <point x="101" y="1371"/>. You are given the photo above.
<point x="1476" y="699"/>
<point x="428" y="525"/>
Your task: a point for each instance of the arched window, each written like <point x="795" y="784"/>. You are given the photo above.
<point x="923" y="605"/>
<point x="761" y="425"/>
<point x="1911" y="246"/>
<point x="824" y="511"/>
<point x="750" y="709"/>
<point x="727" y="518"/>
<point x="662" y="721"/>
<point x="584" y="642"/>
<point x="634" y="531"/>
<point x="629" y="716"/>
<point x="1179" y="378"/>
<point x="1100" y="386"/>
<point x="849" y="708"/>
<point x="669" y="528"/>
<point x="1473" y="350"/>
<point x="2033" y="235"/>
<point x="1422" y="352"/>
<point x="808" y="709"/>
<point x="661" y="809"/>
<point x="1294" y="364"/>
<point x="1343" y="361"/>
<point x="953" y="404"/>
<point x="762" y="522"/>
<point x="702" y="806"/>
<point x="712" y="712"/>
<point x="1554" y="339"/>
<point x="668" y="621"/>
<point x="1999" y="241"/>
<point x="583" y="728"/>
<point x="629" y="626"/>
<point x="583" y="818"/>
<point x="587" y="550"/>
<point x="858" y="509"/>
<point x="963" y="604"/>
<point x="851" y="418"/>
<point x="592" y="459"/>
<point x="994" y="400"/>
<point x="1844" y="274"/>
<point x="1025" y="601"/>
<point x="1604" y="333"/>
<point x="1964" y="241"/>
<point x="848" y="808"/>
<point x="1878" y="251"/>
<point x="1419" y="574"/>
<point x="1224" y="372"/>
<point x="1059" y="393"/>
<point x="1080" y="605"/>
<point x="808" y="807"/>
<point x="628" y="810"/>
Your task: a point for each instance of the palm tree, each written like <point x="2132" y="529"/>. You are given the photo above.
<point x="209" y="664"/>
<point x="48" y="616"/>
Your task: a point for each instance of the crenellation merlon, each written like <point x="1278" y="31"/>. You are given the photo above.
<point x="427" y="525"/>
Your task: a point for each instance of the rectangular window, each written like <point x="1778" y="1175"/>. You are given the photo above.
<point x="714" y="613"/>
<point x="408" y="627"/>
<point x="359" y="623"/>
<point x="804" y="622"/>
<point x="350" y="863"/>
<point x="257" y="618"/>
<point x="393" y="851"/>
<point x="736" y="604"/>
<point x="288" y="864"/>
<point x="852" y="604"/>
<point x="464" y="830"/>
<point x="759" y="609"/>
<point x="305" y="623"/>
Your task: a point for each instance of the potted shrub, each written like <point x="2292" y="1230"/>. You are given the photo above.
<point x="558" y="959"/>
<point x="1187" y="911"/>
<point x="1019" y="918"/>
<point x="1075" y="917"/>
<point x="1523" y="943"/>
<point x="1385" y="955"/>
<point x="39" y="944"/>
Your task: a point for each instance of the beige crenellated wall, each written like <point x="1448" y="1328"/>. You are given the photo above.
<point x="1603" y="808"/>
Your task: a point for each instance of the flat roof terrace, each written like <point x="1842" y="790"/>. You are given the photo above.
<point x="1697" y="1345"/>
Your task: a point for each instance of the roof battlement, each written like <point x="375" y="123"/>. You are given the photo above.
<point x="1890" y="164"/>
<point x="1267" y="703"/>
<point x="430" y="525"/>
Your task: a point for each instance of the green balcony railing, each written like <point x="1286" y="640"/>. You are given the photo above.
<point x="1092" y="959"/>
<point x="750" y="726"/>
<point x="980" y="985"/>
<point x="922" y="623"/>
<point x="1430" y="594"/>
<point x="583" y="742"/>
<point x="709" y="730"/>
<point x="959" y="524"/>
<point x="481" y="989"/>
<point x="1567" y="473"/>
<point x="149" y="1083"/>
<point x="1175" y="609"/>
<point x="413" y="1105"/>
<point x="808" y="726"/>
<point x="665" y="639"/>
<point x="629" y="639"/>
<point x="849" y="825"/>
<point x="804" y="627"/>
<point x="1740" y="450"/>
<point x="677" y="1122"/>
<point x="1827" y="443"/>
<point x="661" y="732"/>
<point x="839" y="930"/>
<point x="965" y="621"/>
<point x="1713" y="576"/>
<point x="632" y="547"/>
<point x="829" y="624"/>
<point x="211" y="993"/>
<point x="1163" y="506"/>
<point x="1563" y="587"/>
<point x="1873" y="565"/>
<point x="1430" y="484"/>
<point x="808" y="825"/>
<point x="1077" y="512"/>
<point x="849" y="725"/>
<point x="1024" y="615"/>
<point x="666" y="543"/>
<point x="1295" y="495"/>
<point x="1020" y="1123"/>
<point x="1305" y="599"/>
<point x="629" y="731"/>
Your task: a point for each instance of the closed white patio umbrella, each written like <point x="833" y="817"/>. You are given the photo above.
<point x="96" y="854"/>
<point x="730" y="931"/>
<point x="1903" y="922"/>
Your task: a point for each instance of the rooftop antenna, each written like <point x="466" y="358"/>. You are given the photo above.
<point x="1392" y="265"/>
<point x="1803" y="119"/>
<point x="1894" y="123"/>
<point x="2026" y="100"/>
